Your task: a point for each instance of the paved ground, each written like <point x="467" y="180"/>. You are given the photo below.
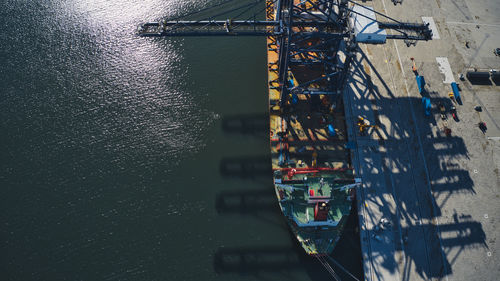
<point x="439" y="195"/>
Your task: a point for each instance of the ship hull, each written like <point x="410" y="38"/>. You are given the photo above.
<point x="312" y="173"/>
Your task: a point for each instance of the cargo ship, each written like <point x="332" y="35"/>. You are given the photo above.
<point x="310" y="47"/>
<point x="312" y="172"/>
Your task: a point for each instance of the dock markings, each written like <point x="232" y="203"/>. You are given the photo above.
<point x="422" y="154"/>
<point x="473" y="23"/>
<point x="426" y="169"/>
<point x="432" y="25"/>
<point x="445" y="68"/>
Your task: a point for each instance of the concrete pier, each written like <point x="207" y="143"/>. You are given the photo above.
<point x="429" y="204"/>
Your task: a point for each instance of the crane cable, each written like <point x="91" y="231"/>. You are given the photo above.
<point x="202" y="10"/>
<point x="325" y="264"/>
<point x="248" y="6"/>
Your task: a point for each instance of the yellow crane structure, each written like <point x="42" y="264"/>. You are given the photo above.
<point x="363" y="125"/>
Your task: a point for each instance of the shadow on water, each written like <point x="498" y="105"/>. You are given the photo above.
<point x="347" y="252"/>
<point x="259" y="260"/>
<point x="247" y="124"/>
<point x="429" y="249"/>
<point x="249" y="167"/>
<point x="262" y="261"/>
<point x="259" y="203"/>
<point x="247" y="201"/>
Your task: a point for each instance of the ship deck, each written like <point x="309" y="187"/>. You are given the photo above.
<point x="300" y="138"/>
<point x="305" y="126"/>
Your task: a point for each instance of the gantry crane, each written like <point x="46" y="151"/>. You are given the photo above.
<point x="330" y="24"/>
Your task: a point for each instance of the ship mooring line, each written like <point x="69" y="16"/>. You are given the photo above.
<point x="343" y="268"/>
<point x="327" y="266"/>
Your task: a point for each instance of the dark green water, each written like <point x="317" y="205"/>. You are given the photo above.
<point x="126" y="158"/>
